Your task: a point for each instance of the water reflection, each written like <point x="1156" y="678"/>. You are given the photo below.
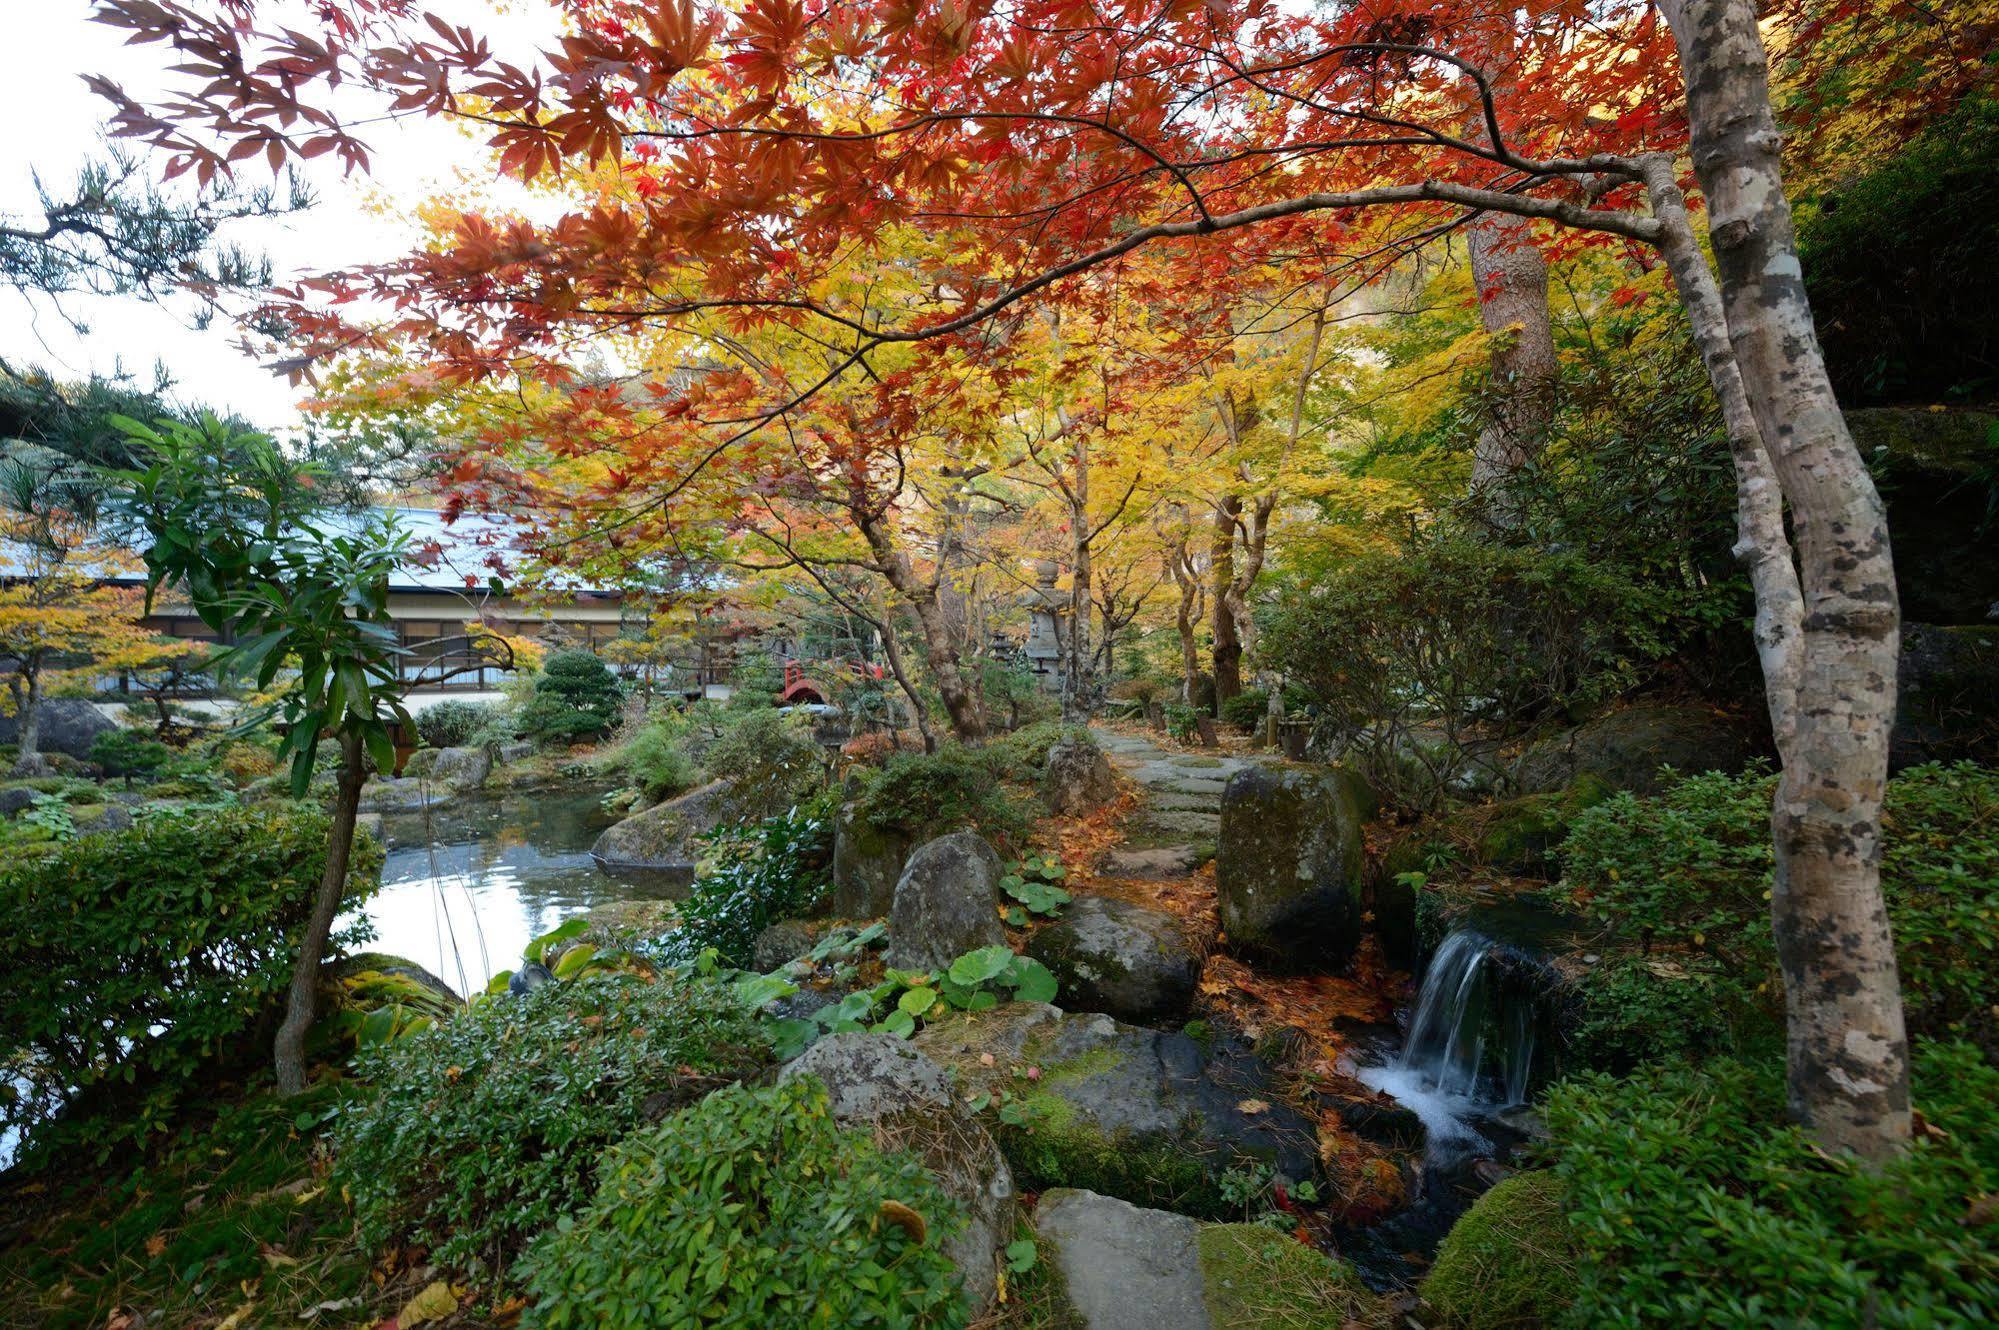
<point x="468" y="884"/>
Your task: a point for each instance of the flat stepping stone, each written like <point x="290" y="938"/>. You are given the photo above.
<point x="1185" y="801"/>
<point x="1125" y="1267"/>
<point x="1205" y="826"/>
<point x="1167" y="861"/>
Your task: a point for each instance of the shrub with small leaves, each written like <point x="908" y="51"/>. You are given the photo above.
<point x="575" y="698"/>
<point x="929" y="794"/>
<point x="129" y="753"/>
<point x="1246" y="710"/>
<point x="752" y="1208"/>
<point x="452" y="723"/>
<point x="751" y="876"/>
<point x="485" y="1129"/>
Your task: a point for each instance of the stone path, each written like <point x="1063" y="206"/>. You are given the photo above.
<point x="1182" y="811"/>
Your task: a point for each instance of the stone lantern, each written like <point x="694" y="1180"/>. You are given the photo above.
<point x="1048" y="627"/>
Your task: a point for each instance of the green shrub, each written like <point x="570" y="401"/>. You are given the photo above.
<point x="924" y="795"/>
<point x="129" y="753"/>
<point x="1682" y="881"/>
<point x="1025" y="751"/>
<point x="575" y="698"/>
<point x="1509" y="1263"/>
<point x="769" y="758"/>
<point x="753" y="1208"/>
<point x="1696" y="1204"/>
<point x="135" y="960"/>
<point x="453" y="723"/>
<point x="1246" y="710"/>
<point x="751" y="876"/>
<point x="487" y="1128"/>
<point x="756" y="681"/>
<point x="655" y="760"/>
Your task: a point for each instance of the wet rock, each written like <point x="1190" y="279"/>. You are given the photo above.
<point x="1124" y="1267"/>
<point x="1627" y="748"/>
<point x="1288" y="866"/>
<point x="1121" y="959"/>
<point x="664" y="838"/>
<point x="68" y="725"/>
<point x="1149" y="1116"/>
<point x="531" y="975"/>
<point x="946" y="903"/>
<point x="1379" y="1120"/>
<point x="785" y="940"/>
<point x="867" y="863"/>
<point x="1947" y="709"/>
<point x="881" y="1084"/>
<point x="1077" y="778"/>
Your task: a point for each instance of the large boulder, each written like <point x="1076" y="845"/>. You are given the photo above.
<point x="1151" y="1116"/>
<point x="1122" y="959"/>
<point x="1288" y="866"/>
<point x="664" y="838"/>
<point x="867" y="863"/>
<point x="1626" y="749"/>
<point x="1948" y="704"/>
<point x="1123" y="1267"/>
<point x="460" y="768"/>
<point x="382" y="962"/>
<point x="1077" y="778"/>
<point x="880" y="1084"/>
<point x="68" y="725"/>
<point x="782" y="942"/>
<point x="1939" y="475"/>
<point x="946" y="904"/>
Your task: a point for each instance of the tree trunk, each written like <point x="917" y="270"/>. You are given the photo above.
<point x="961" y="701"/>
<point x="300" y="1003"/>
<point x="1081" y="572"/>
<point x="28" y="759"/>
<point x="1512" y="280"/>
<point x="1848" y="1050"/>
<point x="893" y="650"/>
<point x="1227" y="650"/>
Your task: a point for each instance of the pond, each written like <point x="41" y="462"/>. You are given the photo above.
<point x="469" y="883"/>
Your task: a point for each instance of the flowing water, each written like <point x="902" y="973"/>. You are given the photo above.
<point x="470" y="882"/>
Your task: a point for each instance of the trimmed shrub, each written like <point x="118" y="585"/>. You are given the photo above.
<point x="1697" y="1204"/>
<point x="129" y="753"/>
<point x="484" y="1130"/>
<point x="1683" y="881"/>
<point x="1509" y="1263"/>
<point x="753" y="1208"/>
<point x="770" y="760"/>
<point x="1246" y="710"/>
<point x="135" y="960"/>
<point x="453" y="723"/>
<point x="924" y="795"/>
<point x="575" y="698"/>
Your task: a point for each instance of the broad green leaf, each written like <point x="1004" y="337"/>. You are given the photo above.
<point x="976" y="967"/>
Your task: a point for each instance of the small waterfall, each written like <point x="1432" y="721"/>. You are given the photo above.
<point x="1470" y="1048"/>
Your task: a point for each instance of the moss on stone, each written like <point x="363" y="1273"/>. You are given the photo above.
<point x="1509" y="1263"/>
<point x="1057" y="1148"/>
<point x="1255" y="1278"/>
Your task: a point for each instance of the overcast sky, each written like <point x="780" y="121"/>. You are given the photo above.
<point x="56" y="123"/>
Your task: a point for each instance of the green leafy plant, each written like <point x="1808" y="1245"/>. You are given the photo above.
<point x="486" y="1129"/>
<point x="749" y="877"/>
<point x="51" y="813"/>
<point x="575" y="698"/>
<point x="1697" y="1203"/>
<point x="769" y="758"/>
<point x="137" y="961"/>
<point x="655" y="760"/>
<point x="453" y="723"/>
<point x="129" y="753"/>
<point x="1035" y="885"/>
<point x="1246" y="710"/>
<point x="928" y="794"/>
<point x="752" y="1208"/>
<point x="1182" y="721"/>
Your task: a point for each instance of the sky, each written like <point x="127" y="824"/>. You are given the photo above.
<point x="57" y="122"/>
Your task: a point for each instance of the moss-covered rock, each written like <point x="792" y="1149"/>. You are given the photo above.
<point x="867" y="863"/>
<point x="1147" y="1116"/>
<point x="1256" y="1278"/>
<point x="1121" y="959"/>
<point x="1288" y="866"/>
<point x="1509" y="1263"/>
<point x="1626" y="749"/>
<point x="1521" y="835"/>
<point x="664" y="838"/>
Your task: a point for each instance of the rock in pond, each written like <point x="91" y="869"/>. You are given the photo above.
<point x="1625" y="749"/>
<point x="1288" y="866"/>
<point x="867" y="863"/>
<point x="1148" y="1116"/>
<point x="459" y="768"/>
<point x="382" y="962"/>
<point x="663" y="839"/>
<point x="1077" y="778"/>
<point x="946" y="904"/>
<point x="1122" y="959"/>
<point x="881" y="1084"/>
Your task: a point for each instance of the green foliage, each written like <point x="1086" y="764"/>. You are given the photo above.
<point x="136" y="960"/>
<point x="1025" y="750"/>
<point x="129" y="753"/>
<point x="753" y="1208"/>
<point x="1696" y="1203"/>
<point x="1256" y="1278"/>
<point x="1035" y="884"/>
<point x="454" y="722"/>
<point x="928" y="794"/>
<point x="1246" y="710"/>
<point x="1409" y="654"/>
<point x="1683" y="882"/>
<point x="769" y="758"/>
<point x="756" y="681"/>
<point x="655" y="760"/>
<point x="487" y="1128"/>
<point x="1897" y="267"/>
<point x="750" y="876"/>
<point x="1509" y="1263"/>
<point x="1182" y="721"/>
<point x="576" y="698"/>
